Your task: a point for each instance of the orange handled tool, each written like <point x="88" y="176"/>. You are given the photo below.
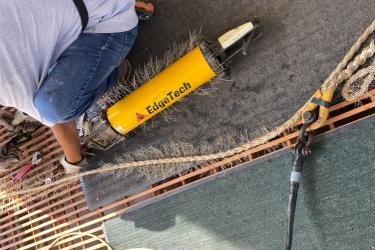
<point x="145" y="10"/>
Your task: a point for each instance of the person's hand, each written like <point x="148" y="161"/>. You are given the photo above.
<point x="6" y="119"/>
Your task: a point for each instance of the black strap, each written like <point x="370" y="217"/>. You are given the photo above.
<point x="83" y="13"/>
<point x="321" y="102"/>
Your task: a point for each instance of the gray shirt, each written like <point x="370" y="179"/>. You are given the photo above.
<point x="34" y="33"/>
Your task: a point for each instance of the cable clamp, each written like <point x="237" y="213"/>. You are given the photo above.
<point x="295" y="176"/>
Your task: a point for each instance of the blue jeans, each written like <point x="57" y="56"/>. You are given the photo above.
<point x="82" y="74"/>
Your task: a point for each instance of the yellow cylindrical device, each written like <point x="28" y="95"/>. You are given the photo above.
<point x="168" y="87"/>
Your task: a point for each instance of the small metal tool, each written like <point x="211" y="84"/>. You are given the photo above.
<point x="36" y="159"/>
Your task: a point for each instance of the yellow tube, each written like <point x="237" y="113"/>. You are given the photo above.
<point x="168" y="87"/>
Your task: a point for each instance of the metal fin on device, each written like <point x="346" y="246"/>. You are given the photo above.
<point x="233" y="36"/>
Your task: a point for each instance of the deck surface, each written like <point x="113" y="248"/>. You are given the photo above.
<point x="246" y="208"/>
<point x="301" y="43"/>
<point x="32" y="223"/>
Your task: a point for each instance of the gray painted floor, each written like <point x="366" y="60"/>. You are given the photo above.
<point x="301" y="43"/>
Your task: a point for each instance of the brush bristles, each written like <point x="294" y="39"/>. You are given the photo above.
<point x="179" y="149"/>
<point x="148" y="71"/>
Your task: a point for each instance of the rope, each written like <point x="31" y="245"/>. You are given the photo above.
<point x="343" y="72"/>
<point x="332" y="81"/>
<point x="55" y="242"/>
<point x="358" y="84"/>
<point x="328" y="88"/>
